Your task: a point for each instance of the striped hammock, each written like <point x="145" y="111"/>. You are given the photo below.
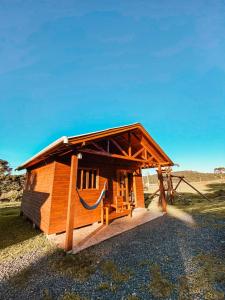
<point x="94" y="206"/>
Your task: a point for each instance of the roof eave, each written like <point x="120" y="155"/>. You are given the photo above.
<point x="62" y="140"/>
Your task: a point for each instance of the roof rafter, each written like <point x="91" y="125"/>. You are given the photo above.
<point x="107" y="154"/>
<point x="118" y="146"/>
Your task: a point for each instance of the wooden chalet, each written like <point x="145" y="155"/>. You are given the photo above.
<point x="94" y="177"/>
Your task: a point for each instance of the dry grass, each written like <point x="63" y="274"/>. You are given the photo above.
<point x="105" y="286"/>
<point x="47" y="295"/>
<point x="80" y="266"/>
<point x="21" y="279"/>
<point x="132" y="297"/>
<point x="145" y="262"/>
<point x="210" y="270"/>
<point x="159" y="286"/>
<point x="110" y="269"/>
<point x="72" y="296"/>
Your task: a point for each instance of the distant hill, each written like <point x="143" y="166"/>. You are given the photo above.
<point x="191" y="176"/>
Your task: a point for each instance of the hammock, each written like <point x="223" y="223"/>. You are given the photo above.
<point x="94" y="206"/>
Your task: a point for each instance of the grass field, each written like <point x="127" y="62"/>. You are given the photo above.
<point x="207" y="186"/>
<point x="30" y="267"/>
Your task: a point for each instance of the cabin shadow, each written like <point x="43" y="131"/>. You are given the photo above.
<point x="133" y="252"/>
<point x="155" y="257"/>
<point x="216" y="188"/>
<point x="13" y="228"/>
<point x="16" y="229"/>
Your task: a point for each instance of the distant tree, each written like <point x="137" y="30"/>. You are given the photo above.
<point x="4" y="168"/>
<point x="219" y="170"/>
<point x="11" y="186"/>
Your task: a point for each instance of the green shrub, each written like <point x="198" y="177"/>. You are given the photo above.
<point x="12" y="195"/>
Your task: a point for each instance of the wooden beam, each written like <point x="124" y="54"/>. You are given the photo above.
<point x="91" y="151"/>
<point x="195" y="189"/>
<point x="81" y="178"/>
<point x="97" y="146"/>
<point x="118" y="147"/>
<point x="136" y="136"/>
<point x="129" y="142"/>
<point x="107" y="145"/>
<point x="87" y="178"/>
<point x="152" y="153"/>
<point x="143" y="145"/>
<point x="145" y="154"/>
<point x="154" y="194"/>
<point x="161" y="189"/>
<point x="177" y="183"/>
<point x="138" y="152"/>
<point x="71" y="203"/>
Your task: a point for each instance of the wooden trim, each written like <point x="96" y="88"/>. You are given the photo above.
<point x="88" y="178"/>
<point x="71" y="203"/>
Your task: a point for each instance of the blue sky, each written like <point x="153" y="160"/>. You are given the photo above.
<point x="70" y="67"/>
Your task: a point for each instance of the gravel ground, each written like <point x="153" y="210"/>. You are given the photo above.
<point x="165" y="242"/>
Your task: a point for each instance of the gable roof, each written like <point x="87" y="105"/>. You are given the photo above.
<point x="62" y="143"/>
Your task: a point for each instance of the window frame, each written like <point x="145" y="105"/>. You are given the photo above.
<point x="81" y="169"/>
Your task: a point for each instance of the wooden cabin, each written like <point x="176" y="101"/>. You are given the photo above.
<point x="81" y="168"/>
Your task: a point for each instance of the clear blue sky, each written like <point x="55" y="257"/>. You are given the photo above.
<point x="70" y="67"/>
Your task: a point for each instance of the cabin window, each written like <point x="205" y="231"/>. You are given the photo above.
<point x="87" y="179"/>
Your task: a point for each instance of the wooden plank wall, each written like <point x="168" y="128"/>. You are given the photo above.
<point x="59" y="202"/>
<point x="36" y="201"/>
<point x="45" y="203"/>
<point x="60" y="197"/>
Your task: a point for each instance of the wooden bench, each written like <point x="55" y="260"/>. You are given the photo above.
<point x="115" y="210"/>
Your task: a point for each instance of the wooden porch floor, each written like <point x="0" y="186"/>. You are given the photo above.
<point x="96" y="233"/>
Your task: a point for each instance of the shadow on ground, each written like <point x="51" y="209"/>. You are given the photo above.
<point x="160" y="259"/>
<point x="13" y="228"/>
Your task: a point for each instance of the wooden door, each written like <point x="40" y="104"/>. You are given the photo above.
<point x="122" y="185"/>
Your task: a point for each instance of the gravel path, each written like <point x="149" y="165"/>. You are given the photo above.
<point x="165" y="242"/>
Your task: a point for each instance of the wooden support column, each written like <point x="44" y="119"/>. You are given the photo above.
<point x="170" y="189"/>
<point x="71" y="203"/>
<point x="162" y="197"/>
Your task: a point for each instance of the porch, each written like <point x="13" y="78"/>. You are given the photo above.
<point x="94" y="234"/>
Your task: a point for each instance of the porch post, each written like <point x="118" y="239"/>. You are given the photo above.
<point x="162" y="195"/>
<point x="71" y="203"/>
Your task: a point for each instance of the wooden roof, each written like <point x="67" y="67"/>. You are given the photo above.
<point x="130" y="142"/>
